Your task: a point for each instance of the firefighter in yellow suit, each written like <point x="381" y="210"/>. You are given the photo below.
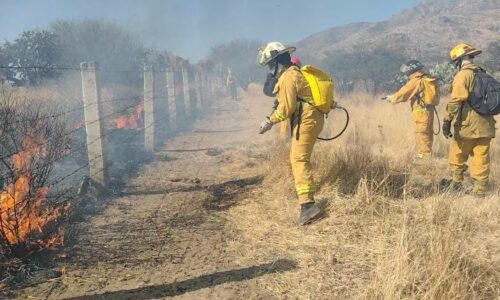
<point x="423" y="115"/>
<point x="292" y="91"/>
<point x="472" y="132"/>
<point x="231" y="84"/>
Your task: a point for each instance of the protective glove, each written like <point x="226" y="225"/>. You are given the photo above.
<point x="265" y="126"/>
<point x="269" y="85"/>
<point x="386" y="98"/>
<point x="447" y="129"/>
<point x="275" y="104"/>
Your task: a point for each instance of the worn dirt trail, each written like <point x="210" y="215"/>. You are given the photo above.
<point x="165" y="236"/>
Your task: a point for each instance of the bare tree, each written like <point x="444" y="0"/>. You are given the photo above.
<point x="31" y="140"/>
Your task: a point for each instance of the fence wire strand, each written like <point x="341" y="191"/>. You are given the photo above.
<point x="62" y="178"/>
<point x="71" y="132"/>
<point x="61" y="114"/>
<point x="163" y="88"/>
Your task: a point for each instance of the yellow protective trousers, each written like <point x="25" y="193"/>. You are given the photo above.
<point x="311" y="124"/>
<point x="479" y="150"/>
<point x="423" y="122"/>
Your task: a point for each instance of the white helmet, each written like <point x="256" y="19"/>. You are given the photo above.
<point x="271" y="51"/>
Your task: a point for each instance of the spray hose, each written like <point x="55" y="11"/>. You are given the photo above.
<point x="336" y="106"/>
<point x="439" y="122"/>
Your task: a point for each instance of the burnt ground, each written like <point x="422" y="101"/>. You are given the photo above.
<point x="164" y="236"/>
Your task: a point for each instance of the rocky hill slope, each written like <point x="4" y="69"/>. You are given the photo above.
<point x="426" y="31"/>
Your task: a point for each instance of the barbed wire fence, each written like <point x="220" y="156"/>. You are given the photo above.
<point x="79" y="152"/>
<point x="172" y="96"/>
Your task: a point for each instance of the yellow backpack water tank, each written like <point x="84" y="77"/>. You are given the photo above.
<point x="430" y="91"/>
<point x="322" y="87"/>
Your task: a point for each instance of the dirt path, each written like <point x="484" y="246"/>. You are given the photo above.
<point x="165" y="236"/>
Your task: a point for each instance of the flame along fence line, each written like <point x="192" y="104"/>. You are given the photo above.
<point x="64" y="113"/>
<point x="73" y="131"/>
<point x="183" y="97"/>
<point x="81" y="126"/>
<point x="106" y="135"/>
<point x="69" y="133"/>
<point x="67" y="195"/>
<point x="86" y="165"/>
<point x="62" y="178"/>
<point x="185" y="93"/>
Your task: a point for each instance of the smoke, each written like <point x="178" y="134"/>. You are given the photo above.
<point x="191" y="28"/>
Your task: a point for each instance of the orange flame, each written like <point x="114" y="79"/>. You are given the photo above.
<point x="130" y="121"/>
<point x="32" y="150"/>
<point x="21" y="210"/>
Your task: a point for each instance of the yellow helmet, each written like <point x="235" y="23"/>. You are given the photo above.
<point x="462" y="50"/>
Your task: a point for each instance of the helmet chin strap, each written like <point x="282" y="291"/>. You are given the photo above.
<point x="459" y="63"/>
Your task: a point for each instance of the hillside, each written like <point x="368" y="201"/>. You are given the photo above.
<point x="426" y="31"/>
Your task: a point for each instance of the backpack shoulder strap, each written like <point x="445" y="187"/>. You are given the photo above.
<point x="420" y="94"/>
<point x="475" y="70"/>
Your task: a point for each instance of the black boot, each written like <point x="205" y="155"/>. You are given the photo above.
<point x="450" y="185"/>
<point x="308" y="212"/>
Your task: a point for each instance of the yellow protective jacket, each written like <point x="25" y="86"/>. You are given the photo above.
<point x="290" y="87"/>
<point x="468" y="123"/>
<point x="410" y="92"/>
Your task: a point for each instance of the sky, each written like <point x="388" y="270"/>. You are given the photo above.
<point x="190" y="28"/>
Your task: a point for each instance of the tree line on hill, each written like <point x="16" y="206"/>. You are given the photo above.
<point x="67" y="43"/>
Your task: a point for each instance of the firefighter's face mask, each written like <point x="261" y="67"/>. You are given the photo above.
<point x="269" y="85"/>
<point x="272" y="65"/>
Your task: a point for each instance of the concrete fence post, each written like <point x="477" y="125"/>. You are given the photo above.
<point x="199" y="91"/>
<point x="220" y="84"/>
<point x="149" y="109"/>
<point x="172" y="105"/>
<point x="213" y="85"/>
<point x="186" y="92"/>
<point x="206" y="89"/>
<point x="210" y="85"/>
<point x="94" y="125"/>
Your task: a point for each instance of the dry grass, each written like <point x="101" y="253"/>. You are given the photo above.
<point x="387" y="234"/>
<point x="438" y="249"/>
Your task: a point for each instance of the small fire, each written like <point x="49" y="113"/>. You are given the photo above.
<point x="33" y="149"/>
<point x="130" y="121"/>
<point x="22" y="209"/>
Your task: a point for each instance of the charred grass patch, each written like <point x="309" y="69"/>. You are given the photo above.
<point x="224" y="195"/>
